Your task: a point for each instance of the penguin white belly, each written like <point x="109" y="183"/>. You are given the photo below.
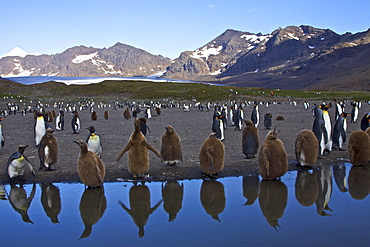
<point x="16" y="167"/>
<point x="222" y="130"/>
<point x="355" y="116"/>
<point x="322" y="144"/>
<point x="47" y="160"/>
<point x="78" y="124"/>
<point x="340" y="141"/>
<point x="57" y="120"/>
<point x="329" y="142"/>
<point x="94" y="144"/>
<point x="302" y="159"/>
<point x="39" y="130"/>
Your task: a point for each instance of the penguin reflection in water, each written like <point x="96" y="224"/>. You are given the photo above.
<point x="17" y="164"/>
<point x="90" y="167"/>
<point x="172" y="194"/>
<point x="92" y="207"/>
<point x="211" y="156"/>
<point x="212" y="197"/>
<point x="20" y="202"/>
<point x="48" y="150"/>
<point x="138" y="156"/>
<point x="272" y="157"/>
<point x="140" y="206"/>
<point x="50" y="200"/>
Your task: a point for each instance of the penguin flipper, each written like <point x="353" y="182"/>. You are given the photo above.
<point x="128" y="146"/>
<point x="150" y="147"/>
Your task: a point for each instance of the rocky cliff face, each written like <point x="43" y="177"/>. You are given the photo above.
<point x="118" y="60"/>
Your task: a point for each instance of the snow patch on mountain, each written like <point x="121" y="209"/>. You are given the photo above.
<point x="83" y="58"/>
<point x="205" y="52"/>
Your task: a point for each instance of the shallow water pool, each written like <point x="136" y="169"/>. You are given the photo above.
<point x="327" y="206"/>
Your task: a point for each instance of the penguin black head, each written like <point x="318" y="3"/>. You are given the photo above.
<point x="21" y="148"/>
<point x="91" y="129"/>
<point x="344" y="114"/>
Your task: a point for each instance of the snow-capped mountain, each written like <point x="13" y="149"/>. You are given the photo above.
<point x="288" y="58"/>
<point x="18" y="52"/>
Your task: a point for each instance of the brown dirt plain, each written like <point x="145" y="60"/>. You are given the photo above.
<point x="192" y="127"/>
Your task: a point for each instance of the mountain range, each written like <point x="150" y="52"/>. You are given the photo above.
<point x="294" y="57"/>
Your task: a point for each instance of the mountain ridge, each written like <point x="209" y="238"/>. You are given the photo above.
<point x="294" y="57"/>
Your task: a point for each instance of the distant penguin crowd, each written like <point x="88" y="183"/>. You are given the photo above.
<point x="325" y="136"/>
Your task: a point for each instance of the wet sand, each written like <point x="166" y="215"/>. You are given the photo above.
<point x="192" y="127"/>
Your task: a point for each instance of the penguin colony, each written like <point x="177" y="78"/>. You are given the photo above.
<point x="323" y="138"/>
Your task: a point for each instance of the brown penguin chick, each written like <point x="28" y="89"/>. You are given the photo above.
<point x="90" y="167"/>
<point x="280" y="118"/>
<point x="127" y="114"/>
<point x="50" y="117"/>
<point x="48" y="150"/>
<point x="306" y="146"/>
<point x="54" y="113"/>
<point x="94" y="116"/>
<point x="212" y="155"/>
<point x="359" y="147"/>
<point x="158" y="111"/>
<point x="250" y="141"/>
<point x="272" y="157"/>
<point x="106" y="114"/>
<point x="171" y="147"/>
<point x="138" y="156"/>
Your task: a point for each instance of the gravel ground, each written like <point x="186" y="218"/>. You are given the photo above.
<point x="192" y="127"/>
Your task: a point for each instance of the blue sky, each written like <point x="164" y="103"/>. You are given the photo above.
<point x="162" y="27"/>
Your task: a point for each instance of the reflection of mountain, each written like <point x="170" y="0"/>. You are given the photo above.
<point x="172" y="194"/>
<point x="340" y="177"/>
<point x="19" y="201"/>
<point x="140" y="206"/>
<point x="359" y="182"/>
<point x="92" y="207"/>
<point x="324" y="176"/>
<point x="212" y="197"/>
<point x="251" y="188"/>
<point x="273" y="199"/>
<point x="306" y="188"/>
<point x="50" y="200"/>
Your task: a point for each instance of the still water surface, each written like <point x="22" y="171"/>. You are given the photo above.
<point x="329" y="206"/>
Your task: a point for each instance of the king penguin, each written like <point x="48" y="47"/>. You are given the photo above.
<point x="17" y="163"/>
<point x="59" y="121"/>
<point x="306" y="146"/>
<point x="354" y="112"/>
<point x="171" y="147"/>
<point x="327" y="129"/>
<point x="255" y="116"/>
<point x="365" y="121"/>
<point x="212" y="156"/>
<point x="339" y="132"/>
<point x="94" y="142"/>
<point x="318" y="128"/>
<point x="2" y="139"/>
<point x="76" y="124"/>
<point x="267" y="121"/>
<point x="143" y="126"/>
<point x="48" y="150"/>
<point x="359" y="147"/>
<point x="272" y="157"/>
<point x="90" y="167"/>
<point x="40" y="128"/>
<point x="250" y="141"/>
<point x="138" y="156"/>
<point x="127" y="114"/>
<point x="239" y="115"/>
<point x="218" y="127"/>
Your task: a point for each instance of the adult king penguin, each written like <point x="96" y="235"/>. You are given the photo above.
<point x="48" y="150"/>
<point x="250" y="141"/>
<point x="2" y="139"/>
<point x="339" y="132"/>
<point x="59" y="121"/>
<point x="318" y="128"/>
<point x="171" y="147"/>
<point x="218" y="127"/>
<point x="327" y="129"/>
<point x="94" y="142"/>
<point x="354" y="112"/>
<point x="255" y="116"/>
<point x="40" y="128"/>
<point x="272" y="157"/>
<point x="76" y="123"/>
<point x="17" y="163"/>
<point x="365" y="121"/>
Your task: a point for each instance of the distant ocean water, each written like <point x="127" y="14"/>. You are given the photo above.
<point x="29" y="80"/>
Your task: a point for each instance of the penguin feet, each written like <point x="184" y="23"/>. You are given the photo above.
<point x="341" y="149"/>
<point x="327" y="151"/>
